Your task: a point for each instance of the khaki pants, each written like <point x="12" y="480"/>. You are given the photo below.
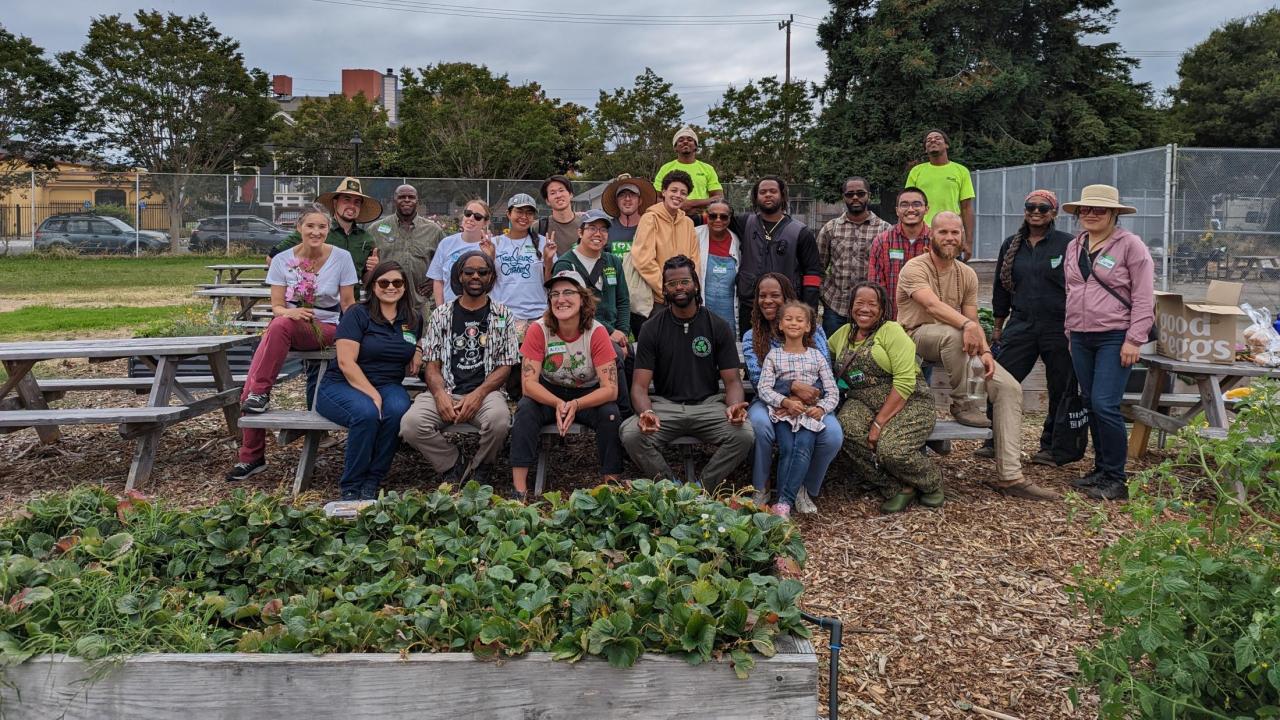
<point x="420" y="428"/>
<point x="705" y="421"/>
<point x="944" y="344"/>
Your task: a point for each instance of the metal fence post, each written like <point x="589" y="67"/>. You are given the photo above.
<point x="33" y="209"/>
<point x="1169" y="182"/>
<point x="487" y="199"/>
<point x="1004" y="193"/>
<point x="137" y="212"/>
<point x="227" y="201"/>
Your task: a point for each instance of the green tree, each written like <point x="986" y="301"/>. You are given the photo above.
<point x="630" y="129"/>
<point x="318" y="141"/>
<point x="172" y="95"/>
<point x="1228" y="91"/>
<point x="759" y="129"/>
<point x="461" y="120"/>
<point x="1011" y="82"/>
<point x="38" y="111"/>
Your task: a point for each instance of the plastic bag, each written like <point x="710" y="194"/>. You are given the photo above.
<point x="1261" y="338"/>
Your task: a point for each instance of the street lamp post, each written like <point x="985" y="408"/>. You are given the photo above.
<point x="356" y="142"/>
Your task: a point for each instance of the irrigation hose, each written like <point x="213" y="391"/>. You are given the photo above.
<point x="833" y="627"/>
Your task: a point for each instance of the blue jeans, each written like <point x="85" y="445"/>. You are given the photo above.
<point x="1096" y="358"/>
<point x="371" y="441"/>
<point x="832" y="321"/>
<point x="825" y="449"/>
<point x="795" y="455"/>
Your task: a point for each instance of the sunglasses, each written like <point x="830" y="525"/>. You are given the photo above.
<point x="1085" y="210"/>
<point x="473" y="214"/>
<point x="384" y="283"/>
<point x="476" y="272"/>
<point x="855" y="193"/>
<point x="1038" y="207"/>
<point x="718" y="216"/>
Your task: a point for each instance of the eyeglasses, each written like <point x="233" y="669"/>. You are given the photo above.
<point x="855" y="193"/>
<point x="473" y="214"/>
<point x="476" y="272"/>
<point x="914" y="205"/>
<point x="718" y="216"/>
<point x="678" y="284"/>
<point x="1086" y="210"/>
<point x="566" y="294"/>
<point x="1038" y="207"/>
<point x="597" y="229"/>
<point x="384" y="283"/>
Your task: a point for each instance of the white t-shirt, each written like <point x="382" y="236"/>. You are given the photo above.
<point x="450" y="249"/>
<point x="338" y="271"/>
<point x="519" y="285"/>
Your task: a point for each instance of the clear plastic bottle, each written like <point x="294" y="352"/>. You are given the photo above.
<point x="976" y="387"/>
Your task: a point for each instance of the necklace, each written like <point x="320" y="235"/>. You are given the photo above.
<point x="768" y="234"/>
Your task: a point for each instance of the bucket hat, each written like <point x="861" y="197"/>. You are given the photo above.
<point x="1104" y="196"/>
<point x="371" y="209"/>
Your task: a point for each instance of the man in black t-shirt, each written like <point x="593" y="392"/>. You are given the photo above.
<point x="686" y="351"/>
<point x="469" y="347"/>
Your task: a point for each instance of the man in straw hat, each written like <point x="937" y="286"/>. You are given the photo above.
<point x="349" y="206"/>
<point x="626" y="199"/>
<point x="706" y="184"/>
<point x="409" y="239"/>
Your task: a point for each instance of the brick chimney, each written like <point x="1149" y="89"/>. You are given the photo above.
<point x="282" y="85"/>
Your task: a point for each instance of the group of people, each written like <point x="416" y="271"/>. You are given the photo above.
<point x="637" y="321"/>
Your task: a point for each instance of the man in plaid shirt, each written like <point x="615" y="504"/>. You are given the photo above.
<point x="844" y="248"/>
<point x="894" y="247"/>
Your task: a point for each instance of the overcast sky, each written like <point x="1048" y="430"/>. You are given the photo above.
<point x="312" y="40"/>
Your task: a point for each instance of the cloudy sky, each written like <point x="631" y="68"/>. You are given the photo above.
<point x="561" y="45"/>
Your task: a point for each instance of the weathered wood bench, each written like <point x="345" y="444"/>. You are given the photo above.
<point x="56" y="388"/>
<point x="944" y="431"/>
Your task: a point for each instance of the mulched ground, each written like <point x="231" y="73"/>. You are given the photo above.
<point x="963" y="604"/>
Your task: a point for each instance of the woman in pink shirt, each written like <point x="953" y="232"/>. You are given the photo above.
<point x="1110" y="309"/>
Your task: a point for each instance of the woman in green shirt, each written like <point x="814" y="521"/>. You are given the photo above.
<point x="888" y="414"/>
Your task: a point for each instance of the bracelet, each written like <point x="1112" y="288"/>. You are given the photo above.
<point x="877" y="424"/>
<point x="965" y="324"/>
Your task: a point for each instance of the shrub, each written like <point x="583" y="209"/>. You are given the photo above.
<point x="191" y="322"/>
<point x="1190" y="601"/>
<point x="117" y="211"/>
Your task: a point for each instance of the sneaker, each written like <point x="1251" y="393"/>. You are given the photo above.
<point x="970" y="416"/>
<point x="1044" y="457"/>
<point x="761" y="498"/>
<point x="986" y="451"/>
<point x="782" y="510"/>
<point x="245" y="470"/>
<point x="804" y="503"/>
<point x="256" y="402"/>
<point x="1088" y="481"/>
<point x="1108" y="489"/>
<point x="1029" y="491"/>
<point x="454" y="474"/>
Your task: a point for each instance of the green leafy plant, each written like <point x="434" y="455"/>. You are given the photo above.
<point x="190" y="322"/>
<point x="606" y="572"/>
<point x="1190" y="601"/>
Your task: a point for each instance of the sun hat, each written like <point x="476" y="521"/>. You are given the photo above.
<point x="685" y="131"/>
<point x="625" y="183"/>
<point x="371" y="209"/>
<point x="1103" y="196"/>
<point x="593" y="215"/>
<point x="568" y="275"/>
<point x="521" y="200"/>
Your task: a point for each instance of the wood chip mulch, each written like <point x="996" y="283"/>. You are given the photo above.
<point x="941" y="608"/>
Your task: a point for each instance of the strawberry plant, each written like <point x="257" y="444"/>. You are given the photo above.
<point x="606" y="572"/>
<point x="1190" y="601"/>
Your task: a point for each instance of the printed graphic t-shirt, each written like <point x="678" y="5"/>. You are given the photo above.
<point x="468" y="338"/>
<point x="519" y="285"/>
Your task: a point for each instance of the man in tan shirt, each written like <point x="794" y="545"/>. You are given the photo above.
<point x="938" y="305"/>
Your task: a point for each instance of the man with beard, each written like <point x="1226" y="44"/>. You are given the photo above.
<point x="469" y="347"/>
<point x="626" y="199"/>
<point x="410" y="240"/>
<point x="686" y="351"/>
<point x="350" y="207"/>
<point x="938" y="307"/>
<point x="770" y="240"/>
<point x="948" y="184"/>
<point x="895" y="246"/>
<point x="844" y="248"/>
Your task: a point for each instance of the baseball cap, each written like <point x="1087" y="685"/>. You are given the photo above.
<point x="569" y="275"/>
<point x="521" y="200"/>
<point x="593" y="215"/>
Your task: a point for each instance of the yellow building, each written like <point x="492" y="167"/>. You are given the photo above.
<point x="75" y="187"/>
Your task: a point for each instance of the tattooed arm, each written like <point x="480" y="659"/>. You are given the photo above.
<point x="608" y="390"/>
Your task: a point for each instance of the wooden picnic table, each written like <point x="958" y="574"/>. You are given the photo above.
<point x="234" y="271"/>
<point x="1242" y="265"/>
<point x="1211" y="379"/>
<point x="247" y="295"/>
<point x="28" y="408"/>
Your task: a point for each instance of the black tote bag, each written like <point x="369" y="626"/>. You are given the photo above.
<point x="1070" y="426"/>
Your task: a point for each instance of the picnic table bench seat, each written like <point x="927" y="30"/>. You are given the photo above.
<point x="93" y="416"/>
<point x="56" y="388"/>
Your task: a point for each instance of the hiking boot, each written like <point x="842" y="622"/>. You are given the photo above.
<point x="454" y="474"/>
<point x="1043" y="457"/>
<point x="1029" y="491"/>
<point x="256" y="402"/>
<point x="1108" y="489"/>
<point x="245" y="470"/>
<point x="898" y="503"/>
<point x="1088" y="481"/>
<point x="970" y="416"/>
<point x="933" y="499"/>
<point x="986" y="451"/>
<point x="804" y="503"/>
<point x="782" y="510"/>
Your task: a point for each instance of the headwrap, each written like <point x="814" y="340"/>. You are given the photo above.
<point x="455" y="273"/>
<point x="1046" y="195"/>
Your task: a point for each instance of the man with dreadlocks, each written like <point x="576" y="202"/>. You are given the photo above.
<point x="1029" y="300"/>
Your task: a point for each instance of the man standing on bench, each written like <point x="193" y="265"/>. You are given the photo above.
<point x="469" y="347"/>
<point x="938" y="307"/>
<point x="686" y="350"/>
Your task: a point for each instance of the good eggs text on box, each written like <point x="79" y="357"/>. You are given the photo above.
<point x="1205" y="331"/>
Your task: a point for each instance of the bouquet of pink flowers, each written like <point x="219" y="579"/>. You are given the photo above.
<point x="303" y="292"/>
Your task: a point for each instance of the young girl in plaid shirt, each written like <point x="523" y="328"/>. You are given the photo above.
<point x="795" y="426"/>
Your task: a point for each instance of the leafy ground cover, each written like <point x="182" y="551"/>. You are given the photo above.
<point x="51" y="322"/>
<point x="609" y="572"/>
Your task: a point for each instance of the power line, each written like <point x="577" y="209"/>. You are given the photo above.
<point x="562" y="18"/>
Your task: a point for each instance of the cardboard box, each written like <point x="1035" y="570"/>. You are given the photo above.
<point x="1206" y="331"/>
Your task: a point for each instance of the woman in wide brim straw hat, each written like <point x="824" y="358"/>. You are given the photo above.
<point x="370" y="208"/>
<point x="1110" y="310"/>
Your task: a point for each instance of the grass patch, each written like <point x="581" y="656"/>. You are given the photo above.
<point x="26" y="275"/>
<point x="46" y="322"/>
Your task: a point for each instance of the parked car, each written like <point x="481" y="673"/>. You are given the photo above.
<point x="288" y="219"/>
<point x="246" y="230"/>
<point x="90" y="233"/>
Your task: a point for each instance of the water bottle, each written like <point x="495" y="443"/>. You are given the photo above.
<point x="976" y="389"/>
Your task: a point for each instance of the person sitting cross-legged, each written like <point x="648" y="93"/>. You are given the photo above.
<point x="569" y="374"/>
<point x="469" y="347"/>
<point x="686" y="351"/>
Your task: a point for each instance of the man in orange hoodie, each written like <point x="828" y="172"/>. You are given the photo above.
<point x="664" y="232"/>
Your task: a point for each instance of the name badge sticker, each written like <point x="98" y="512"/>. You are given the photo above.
<point x="611" y="279"/>
<point x="384" y="229"/>
<point x="896" y="254"/>
<point x="720" y="270"/>
<point x="557" y="348"/>
<point x="409" y="337"/>
<point x="1107" y="261"/>
<point x="1055" y="262"/>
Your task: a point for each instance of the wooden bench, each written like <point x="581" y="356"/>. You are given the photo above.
<point x="944" y="431"/>
<point x="56" y="388"/>
<point x="128" y="416"/>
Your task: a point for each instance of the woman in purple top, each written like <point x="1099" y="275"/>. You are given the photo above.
<point x="1110" y="309"/>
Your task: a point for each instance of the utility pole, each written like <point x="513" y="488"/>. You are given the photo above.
<point x="786" y="25"/>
